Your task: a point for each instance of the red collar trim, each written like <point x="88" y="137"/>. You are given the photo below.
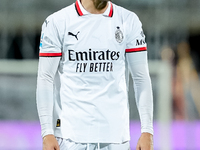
<point x="78" y="9"/>
<point x="111" y="10"/>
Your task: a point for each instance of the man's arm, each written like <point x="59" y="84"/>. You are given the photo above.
<point x="46" y="72"/>
<point x="138" y="66"/>
<point x="50" y="55"/>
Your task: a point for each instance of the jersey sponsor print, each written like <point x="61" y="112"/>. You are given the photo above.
<point x="102" y="60"/>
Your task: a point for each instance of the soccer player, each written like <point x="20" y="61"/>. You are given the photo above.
<point x="82" y="79"/>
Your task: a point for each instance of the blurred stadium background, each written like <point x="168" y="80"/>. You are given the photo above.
<point x="172" y="29"/>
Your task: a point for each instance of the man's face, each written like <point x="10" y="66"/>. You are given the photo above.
<point x="100" y="4"/>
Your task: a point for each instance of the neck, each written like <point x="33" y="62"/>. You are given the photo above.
<point x="89" y="6"/>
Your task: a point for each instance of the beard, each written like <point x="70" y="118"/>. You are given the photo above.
<point x="100" y="4"/>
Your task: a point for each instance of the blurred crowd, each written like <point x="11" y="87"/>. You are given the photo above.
<point x="185" y="81"/>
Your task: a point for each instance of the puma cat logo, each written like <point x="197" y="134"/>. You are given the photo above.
<point x="75" y="35"/>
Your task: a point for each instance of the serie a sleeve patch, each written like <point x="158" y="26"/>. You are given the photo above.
<point x="58" y="123"/>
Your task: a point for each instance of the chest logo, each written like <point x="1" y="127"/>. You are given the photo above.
<point x="119" y="35"/>
<point x="75" y="35"/>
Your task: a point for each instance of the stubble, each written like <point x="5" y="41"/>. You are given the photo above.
<point x="100" y="4"/>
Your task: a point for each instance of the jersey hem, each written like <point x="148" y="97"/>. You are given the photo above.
<point x="93" y="141"/>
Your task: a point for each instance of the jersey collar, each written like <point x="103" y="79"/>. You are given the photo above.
<point x="81" y="11"/>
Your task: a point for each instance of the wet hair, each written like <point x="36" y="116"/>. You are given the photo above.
<point x="100" y="4"/>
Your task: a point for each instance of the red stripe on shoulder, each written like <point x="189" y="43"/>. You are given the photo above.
<point x="136" y="49"/>
<point x="78" y="9"/>
<point x="50" y="54"/>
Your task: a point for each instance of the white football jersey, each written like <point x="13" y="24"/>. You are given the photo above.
<point x="90" y="91"/>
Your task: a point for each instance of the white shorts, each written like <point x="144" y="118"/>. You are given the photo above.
<point x="66" y="144"/>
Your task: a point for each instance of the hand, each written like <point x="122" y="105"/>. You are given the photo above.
<point x="50" y="143"/>
<point x="145" y="142"/>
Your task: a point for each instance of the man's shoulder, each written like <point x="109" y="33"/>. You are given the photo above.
<point x="123" y="12"/>
<point x="62" y="14"/>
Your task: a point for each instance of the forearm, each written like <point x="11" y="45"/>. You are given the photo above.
<point x="45" y="107"/>
<point x="144" y="99"/>
<point x="44" y="94"/>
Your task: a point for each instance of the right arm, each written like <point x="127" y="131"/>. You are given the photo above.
<point x="47" y="69"/>
<point x="46" y="72"/>
<point x="50" y="55"/>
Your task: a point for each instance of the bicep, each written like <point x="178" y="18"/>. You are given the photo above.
<point x="137" y="63"/>
<point x="47" y="68"/>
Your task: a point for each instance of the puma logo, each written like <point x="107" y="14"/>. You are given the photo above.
<point x="75" y="35"/>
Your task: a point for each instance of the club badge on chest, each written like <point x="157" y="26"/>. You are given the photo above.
<point x="119" y="35"/>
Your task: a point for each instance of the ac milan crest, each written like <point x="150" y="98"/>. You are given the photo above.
<point x="119" y="35"/>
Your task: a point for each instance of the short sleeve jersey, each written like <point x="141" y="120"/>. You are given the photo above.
<point x="90" y="92"/>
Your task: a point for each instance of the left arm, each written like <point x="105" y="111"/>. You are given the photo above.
<point x="136" y="55"/>
<point x="143" y="92"/>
